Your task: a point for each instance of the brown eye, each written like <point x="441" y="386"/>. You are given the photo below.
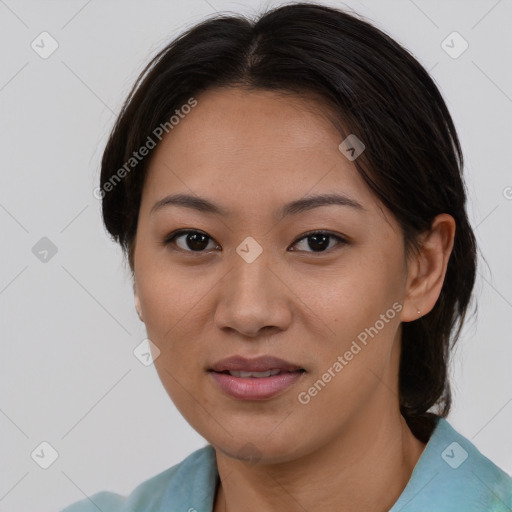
<point x="318" y="241"/>
<point x="189" y="241"/>
<point x="197" y="241"/>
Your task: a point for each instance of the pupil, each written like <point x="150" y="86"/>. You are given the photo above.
<point x="315" y="238"/>
<point x="198" y="241"/>
<point x="192" y="241"/>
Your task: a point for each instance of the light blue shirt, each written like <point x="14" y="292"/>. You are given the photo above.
<point x="450" y="476"/>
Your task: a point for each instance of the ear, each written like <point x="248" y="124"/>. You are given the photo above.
<point x="427" y="269"/>
<point x="137" y="301"/>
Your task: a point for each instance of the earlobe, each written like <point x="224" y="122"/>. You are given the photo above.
<point x="137" y="302"/>
<point x="427" y="270"/>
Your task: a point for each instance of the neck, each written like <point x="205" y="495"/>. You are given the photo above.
<point x="365" y="468"/>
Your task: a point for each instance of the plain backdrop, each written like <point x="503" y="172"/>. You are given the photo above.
<point x="68" y="324"/>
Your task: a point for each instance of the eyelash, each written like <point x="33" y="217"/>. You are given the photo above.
<point x="169" y="239"/>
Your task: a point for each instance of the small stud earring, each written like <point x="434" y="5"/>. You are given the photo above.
<point x="419" y="312"/>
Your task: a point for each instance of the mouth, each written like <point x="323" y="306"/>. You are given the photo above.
<point x="255" y="385"/>
<point x="262" y="378"/>
<point x="257" y="375"/>
<point x="259" y="367"/>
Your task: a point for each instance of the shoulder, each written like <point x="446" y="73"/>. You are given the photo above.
<point x="452" y="475"/>
<point x="187" y="486"/>
<point x="490" y="486"/>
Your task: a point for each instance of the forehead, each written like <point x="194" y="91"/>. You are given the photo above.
<point x="253" y="144"/>
<point x="236" y="118"/>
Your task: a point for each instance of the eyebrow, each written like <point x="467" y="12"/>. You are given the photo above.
<point x="293" y="208"/>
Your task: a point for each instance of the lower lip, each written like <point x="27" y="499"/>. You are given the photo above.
<point x="254" y="388"/>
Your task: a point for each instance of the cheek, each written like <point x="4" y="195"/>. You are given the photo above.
<point x="180" y="364"/>
<point x="182" y="390"/>
<point x="171" y="308"/>
<point x="168" y="294"/>
<point x="359" y="310"/>
<point x="354" y="297"/>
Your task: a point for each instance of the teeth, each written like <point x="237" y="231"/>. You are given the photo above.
<point x="245" y="375"/>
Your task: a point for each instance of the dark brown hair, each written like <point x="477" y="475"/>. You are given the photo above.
<point x="378" y="91"/>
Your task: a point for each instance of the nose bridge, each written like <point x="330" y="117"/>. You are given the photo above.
<point x="252" y="298"/>
<point x="251" y="274"/>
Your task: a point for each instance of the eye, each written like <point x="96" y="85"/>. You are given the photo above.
<point x="194" y="241"/>
<point x="197" y="241"/>
<point x="319" y="240"/>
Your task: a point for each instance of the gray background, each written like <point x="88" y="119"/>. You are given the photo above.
<point x="68" y="325"/>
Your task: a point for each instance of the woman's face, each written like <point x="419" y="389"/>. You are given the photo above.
<point x="251" y="283"/>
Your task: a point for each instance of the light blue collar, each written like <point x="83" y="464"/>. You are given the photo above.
<point x="450" y="476"/>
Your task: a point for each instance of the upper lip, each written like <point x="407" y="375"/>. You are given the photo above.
<point x="258" y="364"/>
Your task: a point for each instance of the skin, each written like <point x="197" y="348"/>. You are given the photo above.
<point x="348" y="448"/>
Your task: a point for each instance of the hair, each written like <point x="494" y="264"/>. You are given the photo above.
<point x="376" y="90"/>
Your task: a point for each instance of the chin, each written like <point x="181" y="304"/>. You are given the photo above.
<point x="254" y="451"/>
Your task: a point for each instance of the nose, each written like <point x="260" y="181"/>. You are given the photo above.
<point x="254" y="300"/>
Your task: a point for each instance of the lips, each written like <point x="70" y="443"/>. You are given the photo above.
<point x="259" y="367"/>
<point x="261" y="378"/>
<point x="256" y="375"/>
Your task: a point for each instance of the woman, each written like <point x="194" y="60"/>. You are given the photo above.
<point x="289" y="195"/>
